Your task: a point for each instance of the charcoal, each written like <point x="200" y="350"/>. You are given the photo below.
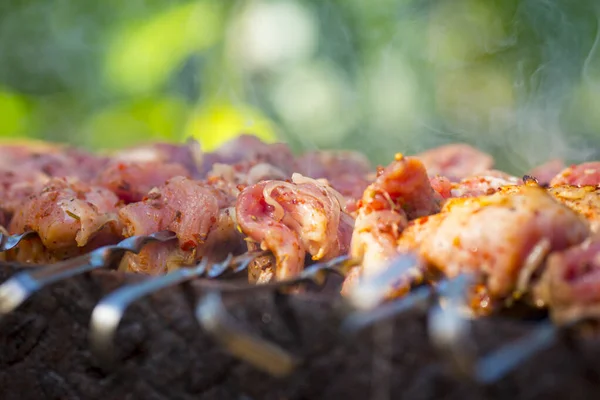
<point x="164" y="354"/>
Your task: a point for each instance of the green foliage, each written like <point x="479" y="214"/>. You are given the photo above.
<point x="516" y="77"/>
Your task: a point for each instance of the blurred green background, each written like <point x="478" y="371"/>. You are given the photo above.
<point x="517" y="78"/>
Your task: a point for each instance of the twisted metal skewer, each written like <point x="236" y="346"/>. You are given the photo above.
<point x="9" y="242"/>
<point x="21" y="286"/>
<point x="108" y="313"/>
<point x="213" y="316"/>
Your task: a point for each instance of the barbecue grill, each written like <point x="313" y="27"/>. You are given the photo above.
<point x="204" y="333"/>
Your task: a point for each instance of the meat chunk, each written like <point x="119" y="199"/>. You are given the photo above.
<point x="188" y="155"/>
<point x="486" y="183"/>
<point x="17" y="185"/>
<point x="67" y="213"/>
<point x="346" y="171"/>
<point x="583" y="199"/>
<point x="455" y="161"/>
<point x="251" y="149"/>
<point x="192" y="210"/>
<point x="131" y="181"/>
<point x="546" y="172"/>
<point x="51" y="160"/>
<point x="570" y="285"/>
<point x="497" y="237"/>
<point x="294" y="218"/>
<point x="401" y="192"/>
<point x="586" y="174"/>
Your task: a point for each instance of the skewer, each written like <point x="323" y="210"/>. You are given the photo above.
<point x="498" y="364"/>
<point x="369" y="295"/>
<point x="449" y="326"/>
<point x="9" y="242"/>
<point x="108" y="313"/>
<point x="238" y="341"/>
<point x="21" y="286"/>
<point x="358" y="321"/>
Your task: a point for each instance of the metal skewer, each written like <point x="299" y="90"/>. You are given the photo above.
<point x="21" y="286"/>
<point x="213" y="316"/>
<point x="9" y="242"/>
<point x="108" y="313"/>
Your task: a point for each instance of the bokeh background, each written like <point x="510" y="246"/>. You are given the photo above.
<point x="520" y="79"/>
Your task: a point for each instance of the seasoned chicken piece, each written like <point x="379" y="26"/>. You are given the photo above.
<point x="294" y="218"/>
<point x="586" y="174"/>
<point x="485" y="183"/>
<point x="570" y="285"/>
<point x="585" y="200"/>
<point x="503" y="237"/>
<point x="401" y="191"/>
<point x="455" y="161"/>
<point x="67" y="214"/>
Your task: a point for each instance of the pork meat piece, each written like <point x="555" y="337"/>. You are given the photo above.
<point x="546" y="172"/>
<point x="131" y="181"/>
<point x="586" y="174"/>
<point x="196" y="212"/>
<point x="188" y="155"/>
<point x="68" y="213"/>
<point x="455" y="161"/>
<point x="346" y="171"/>
<point x="570" y="285"/>
<point x="294" y="218"/>
<point x="252" y="149"/>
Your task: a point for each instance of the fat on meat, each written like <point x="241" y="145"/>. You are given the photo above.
<point x="294" y="218"/>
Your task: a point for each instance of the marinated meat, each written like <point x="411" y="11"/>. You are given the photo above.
<point x="570" y="285"/>
<point x="402" y="191"/>
<point x="496" y="236"/>
<point x="188" y="155"/>
<point x="585" y="200"/>
<point x="586" y="174"/>
<point x="346" y="171"/>
<point x="546" y="172"/>
<point x="192" y="210"/>
<point x="294" y="218"/>
<point x="455" y="161"/>
<point x="131" y="181"/>
<point x="68" y="213"/>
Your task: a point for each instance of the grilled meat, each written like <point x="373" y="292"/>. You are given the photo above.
<point x="67" y="214"/>
<point x="294" y="218"/>
<point x="455" y="161"/>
